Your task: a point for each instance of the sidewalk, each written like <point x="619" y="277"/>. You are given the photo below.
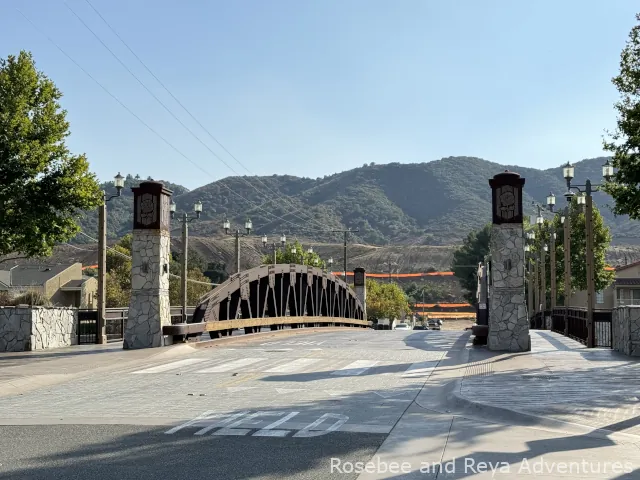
<point x="559" y="411"/>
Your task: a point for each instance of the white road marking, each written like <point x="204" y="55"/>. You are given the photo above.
<point x="241" y="423"/>
<point x="420" y="369"/>
<point x="220" y="423"/>
<point x="356" y="368"/>
<point x="202" y="416"/>
<point x="225" y="367"/>
<point x="170" y="366"/>
<point x="269" y="430"/>
<point x="297" y="364"/>
<point x="247" y="421"/>
<point x="307" y="432"/>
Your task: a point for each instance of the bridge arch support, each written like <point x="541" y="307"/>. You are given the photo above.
<point x="283" y="290"/>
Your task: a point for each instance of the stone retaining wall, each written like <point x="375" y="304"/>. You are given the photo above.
<point x="626" y="330"/>
<point x="37" y="328"/>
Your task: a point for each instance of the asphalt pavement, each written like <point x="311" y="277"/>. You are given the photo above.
<point x="272" y="407"/>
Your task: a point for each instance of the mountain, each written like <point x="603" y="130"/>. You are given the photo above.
<point x="433" y="203"/>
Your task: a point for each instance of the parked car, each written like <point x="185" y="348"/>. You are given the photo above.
<point x="420" y="327"/>
<point x="402" y="326"/>
<point x="434" y="324"/>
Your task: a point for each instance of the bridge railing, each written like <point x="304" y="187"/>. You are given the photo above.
<point x="576" y="327"/>
<point x="251" y="325"/>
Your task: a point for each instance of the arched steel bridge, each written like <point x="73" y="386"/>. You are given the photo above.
<point x="277" y="295"/>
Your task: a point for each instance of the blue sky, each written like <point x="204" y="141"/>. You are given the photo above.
<point x="314" y="87"/>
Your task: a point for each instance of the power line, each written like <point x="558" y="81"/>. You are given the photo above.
<point x="147" y="125"/>
<point x="173" y="96"/>
<point x="124" y="255"/>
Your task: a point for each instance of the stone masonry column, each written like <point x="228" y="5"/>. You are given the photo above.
<point x="508" y="320"/>
<point x="149" y="309"/>
<point x="360" y="288"/>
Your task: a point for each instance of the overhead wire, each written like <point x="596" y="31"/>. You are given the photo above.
<point x="124" y="255"/>
<point x="151" y="129"/>
<point x="179" y="103"/>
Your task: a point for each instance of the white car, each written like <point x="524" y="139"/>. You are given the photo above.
<point x="402" y="326"/>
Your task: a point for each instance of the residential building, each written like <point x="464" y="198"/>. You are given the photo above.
<point x="64" y="285"/>
<point x="625" y="290"/>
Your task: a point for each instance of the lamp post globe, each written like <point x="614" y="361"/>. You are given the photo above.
<point x="568" y="172"/>
<point x="264" y="240"/>
<point x="118" y="181"/>
<point x="172" y="209"/>
<point x="197" y="207"/>
<point x="551" y="201"/>
<point x="607" y="170"/>
<point x="248" y="226"/>
<point x="226" y="225"/>
<point x="283" y="239"/>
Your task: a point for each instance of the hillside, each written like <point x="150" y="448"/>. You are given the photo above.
<point x="434" y="203"/>
<point x="412" y="259"/>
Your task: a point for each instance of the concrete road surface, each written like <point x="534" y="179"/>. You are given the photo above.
<point x="307" y="406"/>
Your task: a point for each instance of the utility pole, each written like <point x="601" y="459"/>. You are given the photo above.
<point x="184" y="300"/>
<point x="237" y="251"/>
<point x="346" y="238"/>
<point x="101" y="323"/>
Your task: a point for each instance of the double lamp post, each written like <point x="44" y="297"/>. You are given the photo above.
<point x="538" y="290"/>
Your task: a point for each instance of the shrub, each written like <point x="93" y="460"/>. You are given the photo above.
<point x="32" y="297"/>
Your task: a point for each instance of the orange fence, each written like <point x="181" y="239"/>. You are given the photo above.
<point x="399" y="275"/>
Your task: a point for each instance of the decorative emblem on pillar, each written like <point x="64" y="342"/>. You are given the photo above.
<point x="358" y="277"/>
<point x="506" y="197"/>
<point x="151" y="207"/>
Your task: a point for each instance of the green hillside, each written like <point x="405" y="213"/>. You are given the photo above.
<point x="434" y="203"/>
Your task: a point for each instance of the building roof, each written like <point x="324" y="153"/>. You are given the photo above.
<point x="624" y="267"/>
<point x="627" y="281"/>
<point x="35" y="275"/>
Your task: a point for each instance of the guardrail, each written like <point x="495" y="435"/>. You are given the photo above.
<point x="576" y="325"/>
<point x="185" y="330"/>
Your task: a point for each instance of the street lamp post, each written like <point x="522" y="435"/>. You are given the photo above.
<point x="529" y="272"/>
<point x="542" y="260"/>
<point x="533" y="285"/>
<point x="101" y="326"/>
<point x="569" y="173"/>
<point x="248" y="226"/>
<point x="283" y="242"/>
<point x="197" y="208"/>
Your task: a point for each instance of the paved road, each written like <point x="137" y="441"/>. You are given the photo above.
<point x="261" y="409"/>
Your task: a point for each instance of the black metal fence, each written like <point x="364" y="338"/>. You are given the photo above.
<point x="538" y="322"/>
<point x="115" y="323"/>
<point x="576" y="325"/>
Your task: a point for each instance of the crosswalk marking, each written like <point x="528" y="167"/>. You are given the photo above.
<point x="225" y="367"/>
<point x="420" y="369"/>
<point x="170" y="366"/>
<point x="356" y="368"/>
<point x="297" y="364"/>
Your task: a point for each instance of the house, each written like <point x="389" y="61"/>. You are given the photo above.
<point x="64" y="285"/>
<point x="625" y="290"/>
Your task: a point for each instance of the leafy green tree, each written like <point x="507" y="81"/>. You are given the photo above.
<point x="194" y="290"/>
<point x="118" y="279"/>
<point x="43" y="187"/>
<point x="578" y="250"/>
<point x="301" y="257"/>
<point x="624" y="142"/>
<point x="385" y="300"/>
<point x="473" y="250"/>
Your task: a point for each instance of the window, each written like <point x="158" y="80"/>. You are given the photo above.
<point x="600" y="297"/>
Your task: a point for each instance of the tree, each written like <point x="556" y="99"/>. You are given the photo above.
<point x="466" y="258"/>
<point x="578" y="250"/>
<point x="118" y="278"/>
<point x="624" y="142"/>
<point x="301" y="257"/>
<point x="385" y="300"/>
<point x="194" y="290"/>
<point x="43" y="186"/>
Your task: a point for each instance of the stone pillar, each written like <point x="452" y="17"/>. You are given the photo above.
<point x="149" y="309"/>
<point x="360" y="287"/>
<point x="508" y="320"/>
